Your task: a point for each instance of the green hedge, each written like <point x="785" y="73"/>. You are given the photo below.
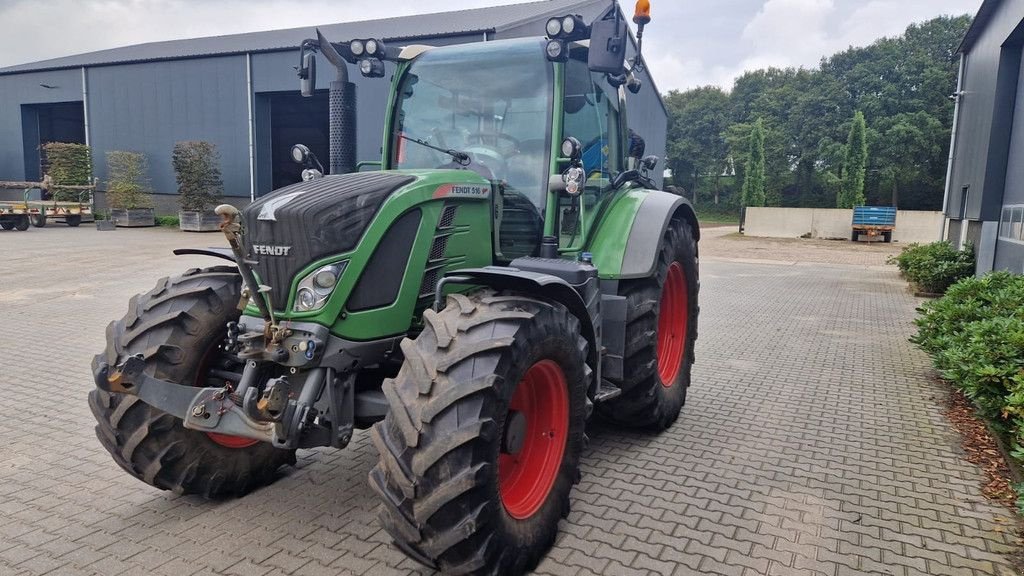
<point x="935" y="267"/>
<point x="975" y="336"/>
<point x="67" y="164"/>
<point x="128" y="186"/>
<point x="197" y="170"/>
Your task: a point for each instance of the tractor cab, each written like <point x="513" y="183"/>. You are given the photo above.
<point x="542" y="120"/>
<point x="503" y="110"/>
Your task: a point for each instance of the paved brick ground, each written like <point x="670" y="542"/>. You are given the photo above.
<point x="812" y="443"/>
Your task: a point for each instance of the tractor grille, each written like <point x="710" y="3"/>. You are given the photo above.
<point x="436" y="262"/>
<point x="293" y="226"/>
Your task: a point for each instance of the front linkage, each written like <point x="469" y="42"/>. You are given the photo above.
<point x="284" y="413"/>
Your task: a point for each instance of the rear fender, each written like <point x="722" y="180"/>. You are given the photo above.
<point x="646" y="215"/>
<point x="543" y="286"/>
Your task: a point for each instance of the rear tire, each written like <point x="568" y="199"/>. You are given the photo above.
<point x="485" y="371"/>
<point x="39" y="220"/>
<point x="21" y="224"/>
<point x="661" y="332"/>
<point x="73" y="220"/>
<point x="7" y="225"/>
<point x="178" y="327"/>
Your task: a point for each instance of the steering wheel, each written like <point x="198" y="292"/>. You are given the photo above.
<point x="495" y="136"/>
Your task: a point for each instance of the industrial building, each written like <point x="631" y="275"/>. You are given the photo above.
<point x="241" y="93"/>
<point x="985" y="187"/>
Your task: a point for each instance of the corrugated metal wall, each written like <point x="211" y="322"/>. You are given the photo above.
<point x="989" y="148"/>
<point x="149" y="107"/>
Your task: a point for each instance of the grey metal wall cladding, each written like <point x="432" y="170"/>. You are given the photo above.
<point x="149" y="107"/>
<point x="65" y="86"/>
<point x="980" y="113"/>
<point x="1009" y="256"/>
<point x="1014" y="185"/>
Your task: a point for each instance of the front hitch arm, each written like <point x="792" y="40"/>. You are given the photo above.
<point x="231" y="226"/>
<point x="205" y="409"/>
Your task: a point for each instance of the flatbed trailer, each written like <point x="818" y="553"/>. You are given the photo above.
<point x="16" y="216"/>
<point x="873" y="222"/>
<point x="73" y="213"/>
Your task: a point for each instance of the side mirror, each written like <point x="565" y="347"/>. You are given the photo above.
<point x="649" y="162"/>
<point x="608" y="39"/>
<point x="307" y="74"/>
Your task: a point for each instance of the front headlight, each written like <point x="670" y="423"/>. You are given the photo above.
<point x="316" y="288"/>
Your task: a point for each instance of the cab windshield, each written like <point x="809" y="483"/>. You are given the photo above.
<point x="491" y="101"/>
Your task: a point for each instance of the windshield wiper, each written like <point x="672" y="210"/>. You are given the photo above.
<point x="461" y="157"/>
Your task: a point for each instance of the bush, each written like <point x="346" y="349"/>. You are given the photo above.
<point x="68" y="165"/>
<point x="975" y="335"/>
<point x="127" y="187"/>
<point x="197" y="170"/>
<point x="935" y="267"/>
<point x="167" y="221"/>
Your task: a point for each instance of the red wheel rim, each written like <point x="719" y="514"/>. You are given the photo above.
<point x="672" y="325"/>
<point x="225" y="440"/>
<point x="525" y="479"/>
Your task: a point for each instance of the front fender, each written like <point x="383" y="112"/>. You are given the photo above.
<point x="545" y="286"/>
<point x="627" y="239"/>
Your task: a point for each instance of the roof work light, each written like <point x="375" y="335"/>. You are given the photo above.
<point x="371" y="68"/>
<point x="567" y="28"/>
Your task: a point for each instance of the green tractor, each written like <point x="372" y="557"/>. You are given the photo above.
<point x="509" y="271"/>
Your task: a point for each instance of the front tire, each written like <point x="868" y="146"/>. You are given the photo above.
<point x="481" y="445"/>
<point x="661" y="332"/>
<point x="73" y="220"/>
<point x="178" y="327"/>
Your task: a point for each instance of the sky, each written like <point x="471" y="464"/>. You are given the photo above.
<point x="690" y="43"/>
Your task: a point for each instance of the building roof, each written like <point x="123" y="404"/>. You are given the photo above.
<point x="481" y="20"/>
<point x="981" y="21"/>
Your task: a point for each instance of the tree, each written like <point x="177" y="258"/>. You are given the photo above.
<point x="696" y="149"/>
<point x="899" y="84"/>
<point x="852" y="192"/>
<point x="753" y="179"/>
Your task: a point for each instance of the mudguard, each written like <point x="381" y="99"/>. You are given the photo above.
<point x="223" y="253"/>
<point x="646" y="215"/>
<point x="545" y="286"/>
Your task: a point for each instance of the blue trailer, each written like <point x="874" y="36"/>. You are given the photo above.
<point x="873" y="221"/>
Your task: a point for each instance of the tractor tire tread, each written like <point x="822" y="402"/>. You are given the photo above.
<point x="432" y="477"/>
<point x="173" y="326"/>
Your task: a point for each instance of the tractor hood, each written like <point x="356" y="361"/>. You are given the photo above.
<point x="297" y="224"/>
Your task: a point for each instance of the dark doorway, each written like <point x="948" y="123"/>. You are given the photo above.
<point x="43" y="123"/>
<point x="284" y="119"/>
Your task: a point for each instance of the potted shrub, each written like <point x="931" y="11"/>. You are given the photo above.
<point x="128" y="190"/>
<point x="65" y="164"/>
<point x="197" y="170"/>
<point x="128" y="198"/>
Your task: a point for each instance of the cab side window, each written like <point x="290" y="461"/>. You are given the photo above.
<point x="591" y="115"/>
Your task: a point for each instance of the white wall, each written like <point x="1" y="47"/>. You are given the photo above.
<point x="911" y="226"/>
